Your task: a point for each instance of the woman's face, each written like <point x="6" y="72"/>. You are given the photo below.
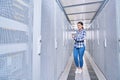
<point x="79" y="26"/>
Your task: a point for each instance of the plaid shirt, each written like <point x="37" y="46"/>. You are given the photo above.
<point x="79" y="38"/>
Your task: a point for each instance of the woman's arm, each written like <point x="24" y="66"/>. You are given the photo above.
<point x="83" y="35"/>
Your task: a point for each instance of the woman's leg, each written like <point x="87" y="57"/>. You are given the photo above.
<point x="75" y="54"/>
<point x="81" y="53"/>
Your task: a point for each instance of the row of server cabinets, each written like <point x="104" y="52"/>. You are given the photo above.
<point x="35" y="41"/>
<point x="15" y="40"/>
<point x="103" y="41"/>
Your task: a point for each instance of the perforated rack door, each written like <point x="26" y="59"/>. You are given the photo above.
<point x="12" y="66"/>
<point x="15" y="39"/>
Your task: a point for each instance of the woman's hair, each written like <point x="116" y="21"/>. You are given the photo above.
<point x="81" y="24"/>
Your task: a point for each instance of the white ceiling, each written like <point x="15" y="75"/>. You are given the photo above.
<point x="73" y="2"/>
<point x="81" y="10"/>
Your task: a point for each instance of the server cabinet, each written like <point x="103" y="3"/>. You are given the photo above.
<point x="15" y="39"/>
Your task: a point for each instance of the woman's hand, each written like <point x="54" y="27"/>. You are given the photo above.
<point x="73" y="35"/>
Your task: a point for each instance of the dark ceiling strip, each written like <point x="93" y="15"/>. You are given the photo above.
<point x="80" y="19"/>
<point x="100" y="9"/>
<point x="82" y="4"/>
<point x="84" y="23"/>
<point x="59" y="3"/>
<point x="81" y="13"/>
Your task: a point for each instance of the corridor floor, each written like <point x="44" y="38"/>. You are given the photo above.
<point x="87" y="74"/>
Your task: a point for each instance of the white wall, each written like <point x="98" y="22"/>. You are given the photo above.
<point x="56" y="44"/>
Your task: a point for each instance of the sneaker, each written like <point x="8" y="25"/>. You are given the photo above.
<point x="76" y="70"/>
<point x="80" y="71"/>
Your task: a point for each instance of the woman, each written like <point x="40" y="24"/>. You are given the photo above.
<point x="79" y="47"/>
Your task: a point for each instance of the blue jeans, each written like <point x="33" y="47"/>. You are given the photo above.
<point x="78" y="56"/>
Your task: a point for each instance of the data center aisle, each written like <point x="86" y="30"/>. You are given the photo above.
<point x="87" y="74"/>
